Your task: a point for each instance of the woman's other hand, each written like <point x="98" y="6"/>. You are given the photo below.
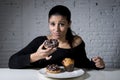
<point x="99" y="63"/>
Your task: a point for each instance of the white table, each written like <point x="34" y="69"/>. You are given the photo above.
<point x="33" y="74"/>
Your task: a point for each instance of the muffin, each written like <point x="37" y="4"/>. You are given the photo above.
<point x="53" y="68"/>
<point x="51" y="43"/>
<point x="68" y="64"/>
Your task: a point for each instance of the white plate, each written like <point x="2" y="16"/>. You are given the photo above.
<point x="75" y="73"/>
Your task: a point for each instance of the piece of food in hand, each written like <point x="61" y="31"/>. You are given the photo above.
<point x="51" y="43"/>
<point x="53" y="68"/>
<point x="68" y="64"/>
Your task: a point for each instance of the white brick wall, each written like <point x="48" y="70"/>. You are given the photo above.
<point x="10" y="29"/>
<point x="96" y="21"/>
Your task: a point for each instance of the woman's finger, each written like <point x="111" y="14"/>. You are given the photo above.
<point x="48" y="57"/>
<point x="99" y="65"/>
<point x="41" y="46"/>
<point x="96" y="59"/>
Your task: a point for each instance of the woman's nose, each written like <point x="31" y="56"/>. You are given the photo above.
<point x="57" y="28"/>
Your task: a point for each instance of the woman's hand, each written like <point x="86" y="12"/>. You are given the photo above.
<point x="42" y="53"/>
<point x="99" y="63"/>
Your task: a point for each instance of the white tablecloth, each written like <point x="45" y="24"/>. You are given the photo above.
<point x="33" y="74"/>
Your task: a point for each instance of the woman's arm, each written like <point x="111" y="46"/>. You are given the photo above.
<point x="31" y="56"/>
<point x="22" y="58"/>
<point x="82" y="60"/>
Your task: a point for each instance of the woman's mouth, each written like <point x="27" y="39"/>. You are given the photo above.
<point x="57" y="34"/>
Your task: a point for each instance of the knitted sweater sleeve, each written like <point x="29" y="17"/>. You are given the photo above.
<point x="21" y="59"/>
<point x="81" y="59"/>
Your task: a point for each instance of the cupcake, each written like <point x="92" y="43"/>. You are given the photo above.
<point x="68" y="64"/>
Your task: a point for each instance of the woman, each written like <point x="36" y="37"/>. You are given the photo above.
<point x="70" y="45"/>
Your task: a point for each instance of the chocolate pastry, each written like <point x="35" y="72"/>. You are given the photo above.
<point x="53" y="69"/>
<point x="52" y="43"/>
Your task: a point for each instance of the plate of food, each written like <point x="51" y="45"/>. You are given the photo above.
<point x="54" y="71"/>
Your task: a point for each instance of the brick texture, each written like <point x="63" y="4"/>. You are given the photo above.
<point x="96" y="21"/>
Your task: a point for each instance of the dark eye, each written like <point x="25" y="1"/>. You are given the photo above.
<point x="61" y="24"/>
<point x="53" y="24"/>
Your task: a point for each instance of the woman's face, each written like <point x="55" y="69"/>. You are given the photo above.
<point x="58" y="26"/>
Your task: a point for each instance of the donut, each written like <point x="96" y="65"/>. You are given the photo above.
<point x="53" y="69"/>
<point x="51" y="43"/>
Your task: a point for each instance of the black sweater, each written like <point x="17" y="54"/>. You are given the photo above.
<point x="22" y="58"/>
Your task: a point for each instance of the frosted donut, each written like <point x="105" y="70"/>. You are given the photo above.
<point x="52" y="43"/>
<point x="53" y="69"/>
